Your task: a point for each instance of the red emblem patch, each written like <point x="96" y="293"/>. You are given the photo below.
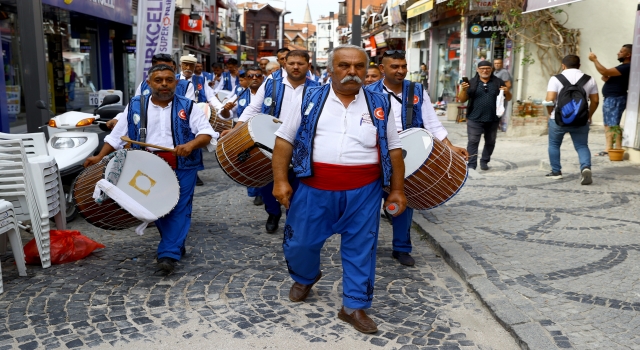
<point x="379" y="113"/>
<point x="182" y="114"/>
<point x="416" y="99"/>
<point x="199" y="86"/>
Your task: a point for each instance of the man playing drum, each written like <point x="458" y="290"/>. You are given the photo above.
<point x="417" y="113"/>
<point x="270" y="99"/>
<point x="338" y="138"/>
<point x="174" y="122"/>
<point x="184" y="87"/>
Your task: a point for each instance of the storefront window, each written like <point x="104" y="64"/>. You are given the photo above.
<point x="448" y="67"/>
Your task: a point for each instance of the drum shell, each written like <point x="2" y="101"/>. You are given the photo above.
<point x="256" y="170"/>
<point x="108" y="215"/>
<point x="439" y="178"/>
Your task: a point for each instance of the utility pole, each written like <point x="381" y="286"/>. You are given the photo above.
<point x="213" y="36"/>
<point x="356" y="25"/>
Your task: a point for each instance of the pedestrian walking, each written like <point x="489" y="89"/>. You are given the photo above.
<point x="482" y="93"/>
<point x="616" y="84"/>
<point x="424" y="76"/>
<point x="569" y="91"/>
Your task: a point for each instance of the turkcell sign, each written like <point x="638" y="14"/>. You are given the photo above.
<point x="113" y="10"/>
<point x="155" y="33"/>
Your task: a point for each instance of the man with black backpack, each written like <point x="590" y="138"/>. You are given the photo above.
<point x="576" y="99"/>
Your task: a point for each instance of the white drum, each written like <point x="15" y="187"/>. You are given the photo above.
<point x="148" y="180"/>
<point x="145" y="177"/>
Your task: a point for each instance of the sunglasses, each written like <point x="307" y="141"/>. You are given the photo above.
<point x="394" y="52"/>
<point x="254" y="75"/>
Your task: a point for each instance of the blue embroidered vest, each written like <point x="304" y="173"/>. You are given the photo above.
<point x="208" y="76"/>
<point x="313" y="101"/>
<point x="199" y="86"/>
<point x="268" y="93"/>
<point x="418" y="94"/>
<point x="244" y="99"/>
<point x="180" y="130"/>
<point x="181" y="88"/>
<point x="226" y="81"/>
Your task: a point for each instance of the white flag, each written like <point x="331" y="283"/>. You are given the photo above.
<point x="155" y="33"/>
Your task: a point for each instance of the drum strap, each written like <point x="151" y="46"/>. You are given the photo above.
<point x="410" y="104"/>
<point x="143" y="119"/>
<point x="273" y="97"/>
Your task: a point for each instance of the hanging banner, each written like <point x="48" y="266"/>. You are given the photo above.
<point x="155" y="33"/>
<point x="536" y="5"/>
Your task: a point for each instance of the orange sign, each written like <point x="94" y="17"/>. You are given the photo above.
<point x="190" y="25"/>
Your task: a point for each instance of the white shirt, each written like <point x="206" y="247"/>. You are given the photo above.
<point x="217" y="85"/>
<point x="190" y="94"/>
<point x="573" y="75"/>
<point x="344" y="136"/>
<point x="429" y="117"/>
<point x="290" y="98"/>
<point x="159" y="126"/>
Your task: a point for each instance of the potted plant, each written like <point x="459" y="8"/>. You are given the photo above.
<point x="615" y="154"/>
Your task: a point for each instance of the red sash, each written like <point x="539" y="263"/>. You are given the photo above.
<point x="332" y="177"/>
<point x="169" y="157"/>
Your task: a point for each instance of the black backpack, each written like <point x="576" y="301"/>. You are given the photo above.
<point x="572" y="107"/>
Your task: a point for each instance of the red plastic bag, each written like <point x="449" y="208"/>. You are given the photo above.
<point x="66" y="246"/>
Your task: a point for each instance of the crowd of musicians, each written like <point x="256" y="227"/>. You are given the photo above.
<point x="336" y="149"/>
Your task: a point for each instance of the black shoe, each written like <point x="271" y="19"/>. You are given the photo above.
<point x="199" y="181"/>
<point x="272" y="223"/>
<point x="403" y="258"/>
<point x="554" y="175"/>
<point x="484" y="167"/>
<point x="167" y="265"/>
<point x="257" y="200"/>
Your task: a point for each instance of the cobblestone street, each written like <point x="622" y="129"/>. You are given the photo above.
<point x="557" y="262"/>
<point x="231" y="292"/>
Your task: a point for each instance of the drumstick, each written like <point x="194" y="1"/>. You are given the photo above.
<point x="126" y="139"/>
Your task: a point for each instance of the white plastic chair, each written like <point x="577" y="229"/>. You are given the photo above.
<point x="9" y="225"/>
<point x="45" y="176"/>
<point x="16" y="186"/>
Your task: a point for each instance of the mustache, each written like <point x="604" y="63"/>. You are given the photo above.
<point x="187" y="71"/>
<point x="351" y="78"/>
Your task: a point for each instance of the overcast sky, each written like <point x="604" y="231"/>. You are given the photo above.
<point x="297" y="7"/>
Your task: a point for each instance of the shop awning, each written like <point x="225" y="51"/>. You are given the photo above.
<point x="72" y="56"/>
<point x="225" y="49"/>
<point x="419" y="8"/>
<point x="536" y="5"/>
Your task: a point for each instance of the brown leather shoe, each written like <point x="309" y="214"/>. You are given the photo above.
<point x="299" y="292"/>
<point x="359" y="320"/>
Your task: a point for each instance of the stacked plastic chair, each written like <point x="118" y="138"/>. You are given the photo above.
<point x="9" y="225"/>
<point x="16" y="186"/>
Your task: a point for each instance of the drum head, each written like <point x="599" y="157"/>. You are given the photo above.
<point x="148" y="180"/>
<point x="205" y="108"/>
<point x="262" y="128"/>
<point x="417" y="145"/>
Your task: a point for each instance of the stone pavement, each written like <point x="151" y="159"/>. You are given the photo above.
<point x="231" y="292"/>
<point x="557" y="263"/>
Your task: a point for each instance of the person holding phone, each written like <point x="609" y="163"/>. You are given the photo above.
<point x="482" y="92"/>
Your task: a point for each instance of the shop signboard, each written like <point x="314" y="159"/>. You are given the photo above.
<point x="155" y="33"/>
<point x="481" y="5"/>
<point x="113" y="10"/>
<point x="536" y="5"/>
<point x="190" y="25"/>
<point x="395" y="14"/>
<point x="484" y="29"/>
<point x="380" y="41"/>
<point x="13" y="99"/>
<point x="419" y="8"/>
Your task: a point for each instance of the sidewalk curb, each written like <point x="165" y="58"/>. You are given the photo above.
<point x="529" y="334"/>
